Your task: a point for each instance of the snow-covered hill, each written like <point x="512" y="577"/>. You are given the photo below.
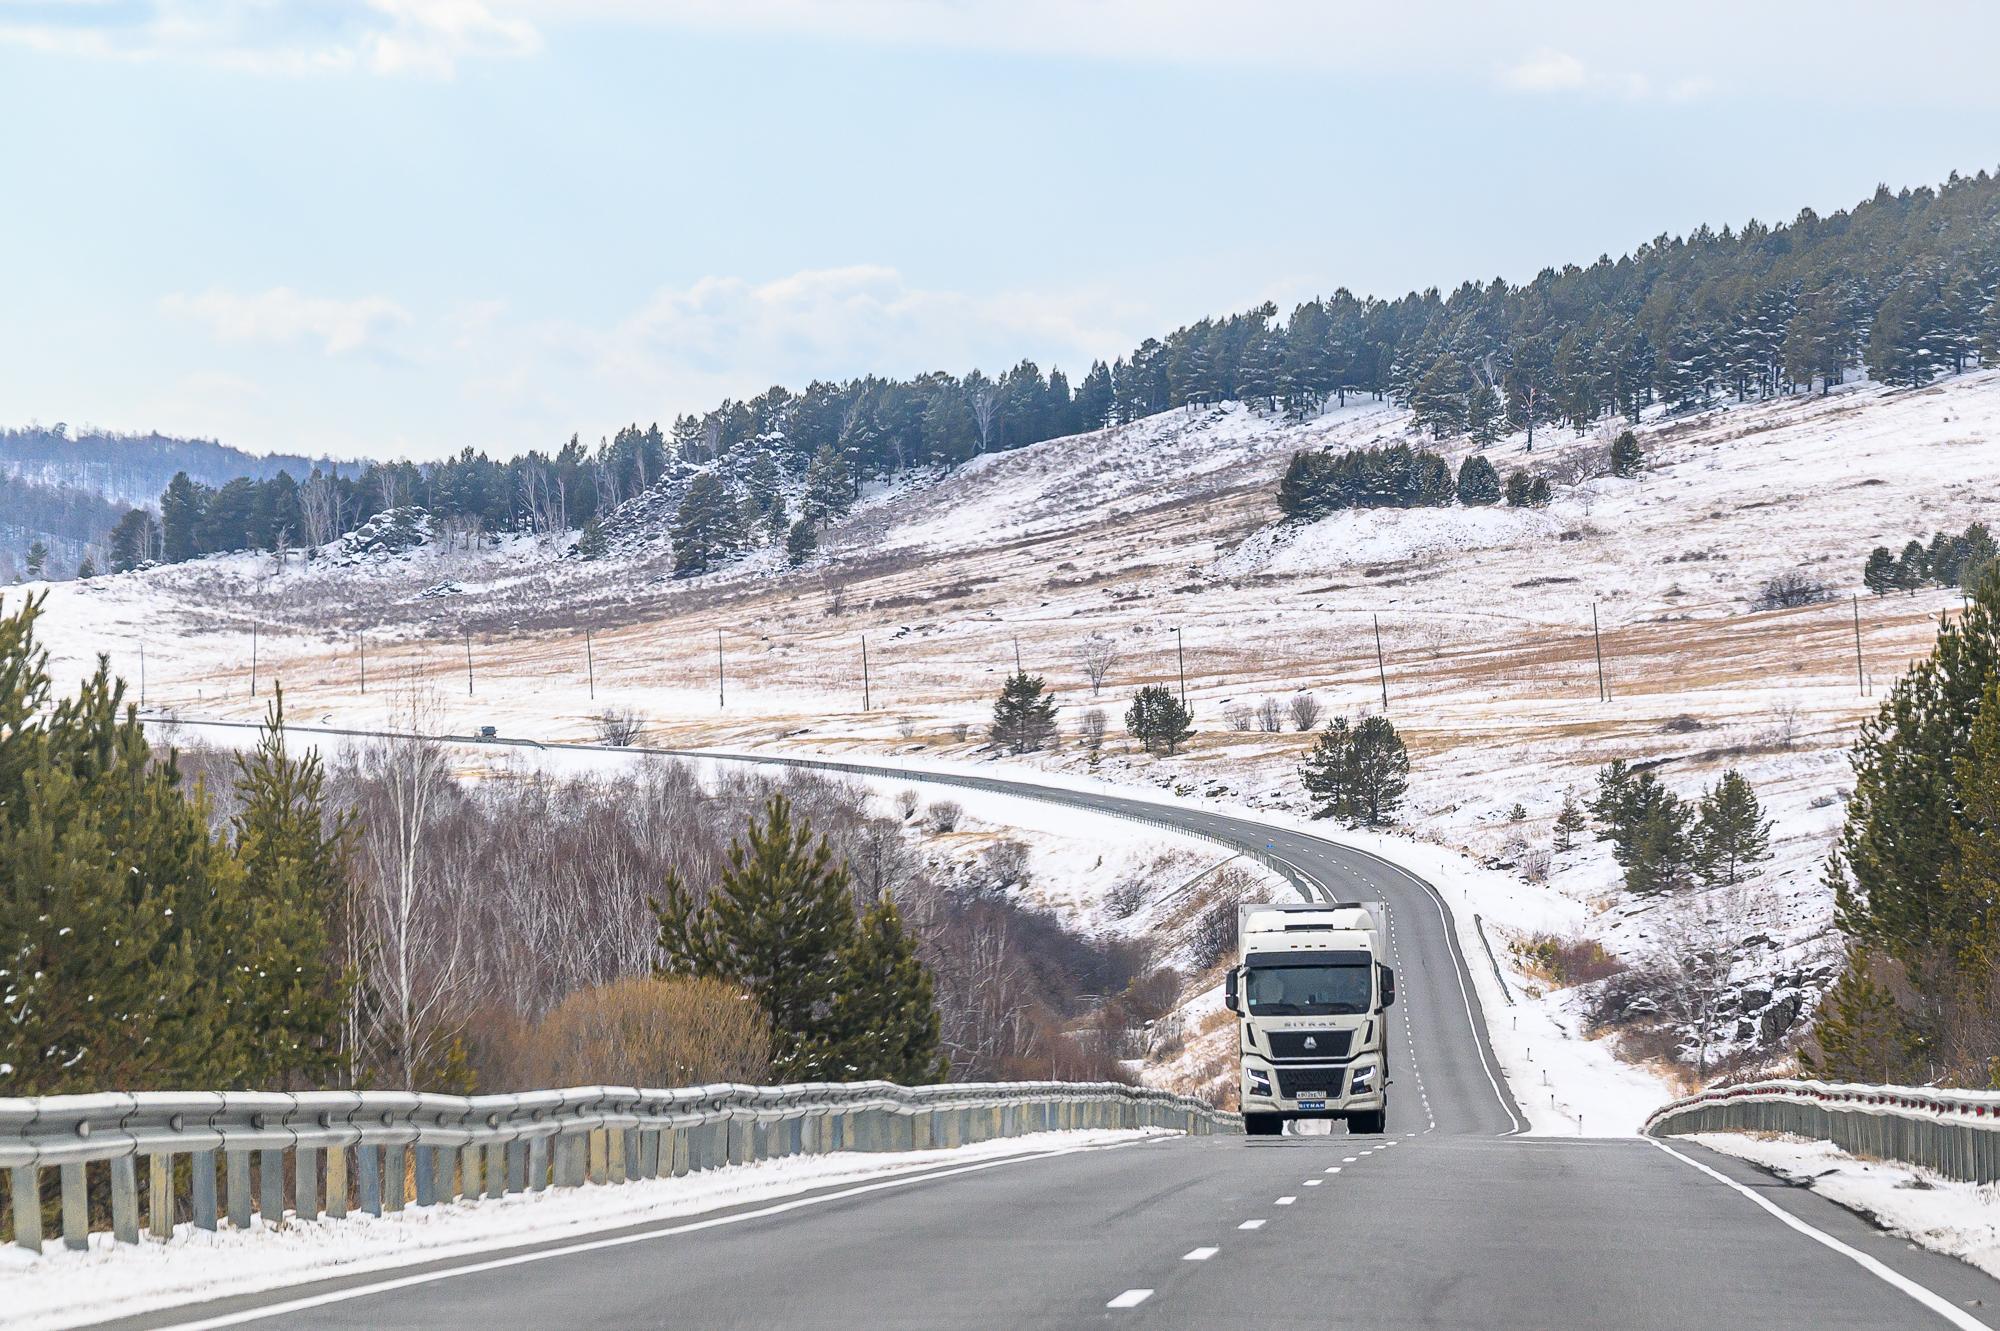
<point x="1162" y="535"/>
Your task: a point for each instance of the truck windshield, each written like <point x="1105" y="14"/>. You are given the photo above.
<point x="1308" y="991"/>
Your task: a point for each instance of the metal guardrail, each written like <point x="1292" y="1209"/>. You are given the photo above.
<point x="1955" y="1134"/>
<point x="378" y="1151"/>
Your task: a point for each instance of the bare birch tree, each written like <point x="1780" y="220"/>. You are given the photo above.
<point x="1097" y="653"/>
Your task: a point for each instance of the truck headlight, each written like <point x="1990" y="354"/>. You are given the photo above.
<point x="1260" y="1081"/>
<point x="1364" y="1081"/>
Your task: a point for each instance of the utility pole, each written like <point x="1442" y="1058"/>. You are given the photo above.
<point x="361" y="646"/>
<point x="1180" y="659"/>
<point x="1381" y="666"/>
<point x="721" y="700"/>
<point x="590" y="663"/>
<point x="1860" y="678"/>
<point x="253" y="658"/>
<point x="142" y="672"/>
<point x="468" y="663"/>
<point x="864" y="673"/>
<point x="1597" y="640"/>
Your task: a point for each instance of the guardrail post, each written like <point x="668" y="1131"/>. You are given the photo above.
<point x="538" y="1163"/>
<point x="271" y="1187"/>
<point x="441" y="1177"/>
<point x="75" y="1208"/>
<point x="395" y="1176"/>
<point x="426" y="1175"/>
<point x="305" y="1182"/>
<point x="649" y="1153"/>
<point x="368" y="1168"/>
<point x="237" y="1165"/>
<point x="25" y="1188"/>
<point x="496" y="1169"/>
<point x="617" y="1148"/>
<point x="600" y="1155"/>
<point x="160" y="1195"/>
<point x="468" y="1172"/>
<point x="125" y="1199"/>
<point x="517" y="1166"/>
<point x="201" y="1196"/>
<point x="336" y="1182"/>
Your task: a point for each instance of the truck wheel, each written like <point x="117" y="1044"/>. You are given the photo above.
<point x="1368" y="1123"/>
<point x="1263" y="1125"/>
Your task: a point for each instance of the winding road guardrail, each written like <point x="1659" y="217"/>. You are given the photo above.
<point x="378" y="1151"/>
<point x="1955" y="1134"/>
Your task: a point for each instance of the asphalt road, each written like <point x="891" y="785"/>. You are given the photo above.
<point x="1448" y="1220"/>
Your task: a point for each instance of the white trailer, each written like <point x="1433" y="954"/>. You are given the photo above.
<point x="1311" y="996"/>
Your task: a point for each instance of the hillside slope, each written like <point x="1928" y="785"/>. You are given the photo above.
<point x="1485" y="615"/>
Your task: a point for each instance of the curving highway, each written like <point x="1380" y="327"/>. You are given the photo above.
<point x="1450" y="1219"/>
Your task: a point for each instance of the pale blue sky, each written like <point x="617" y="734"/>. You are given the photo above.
<point x="405" y="226"/>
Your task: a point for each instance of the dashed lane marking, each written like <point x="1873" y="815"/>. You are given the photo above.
<point x="1314" y="1182"/>
<point x="1287" y="1201"/>
<point x="1251" y="1224"/>
<point x="1131" y="1298"/>
<point x="1199" y="1254"/>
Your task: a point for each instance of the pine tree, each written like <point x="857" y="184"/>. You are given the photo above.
<point x="800" y="542"/>
<point x="706" y="529"/>
<point x="1326" y="774"/>
<point x="1519" y="484"/>
<point x="1484" y="415"/>
<point x="182" y="510"/>
<point x="1158" y="720"/>
<point x="1024" y="716"/>
<point x="86" y="568"/>
<point x="1539" y="495"/>
<point x="285" y="990"/>
<point x="591" y="542"/>
<point x="112" y="891"/>
<point x="780" y="924"/>
<point x="883" y="1023"/>
<point x="1730" y="833"/>
<point x="38" y="560"/>
<point x="1658" y="848"/>
<point x="1478" y="483"/>
<point x="1627" y="458"/>
<point x="1913" y="567"/>
<point x="1569" y="821"/>
<point x="829" y="487"/>
<point x="1879" y="574"/>
<point x="1381" y="769"/>
<point x="132" y="540"/>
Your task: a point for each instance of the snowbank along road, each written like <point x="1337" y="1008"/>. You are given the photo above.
<point x="1452" y="1218"/>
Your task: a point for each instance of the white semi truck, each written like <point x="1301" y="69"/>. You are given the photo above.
<point x="1311" y="997"/>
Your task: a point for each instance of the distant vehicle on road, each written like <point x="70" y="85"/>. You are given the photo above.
<point x="489" y="732"/>
<point x="1311" y="997"/>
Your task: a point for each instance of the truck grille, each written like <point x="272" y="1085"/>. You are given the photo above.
<point x="1295" y="1082"/>
<point x="1326" y="1044"/>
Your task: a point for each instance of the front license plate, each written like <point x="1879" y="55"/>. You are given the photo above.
<point x="1318" y="1102"/>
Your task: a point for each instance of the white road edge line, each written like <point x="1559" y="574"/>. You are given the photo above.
<point x="1199" y="1254"/>
<point x="1937" y="1303"/>
<point x="1131" y="1298"/>
<point x="289" y="1306"/>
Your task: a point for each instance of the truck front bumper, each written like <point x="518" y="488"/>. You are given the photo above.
<point x="1349" y="1088"/>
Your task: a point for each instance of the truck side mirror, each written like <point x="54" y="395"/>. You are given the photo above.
<point x="1388" y="986"/>
<point x="1229" y="999"/>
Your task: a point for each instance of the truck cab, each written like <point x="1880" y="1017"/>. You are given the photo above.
<point x="1311" y="997"/>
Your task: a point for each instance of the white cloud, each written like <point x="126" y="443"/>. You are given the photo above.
<point x="389" y="37"/>
<point x="284" y="317"/>
<point x="1546" y="71"/>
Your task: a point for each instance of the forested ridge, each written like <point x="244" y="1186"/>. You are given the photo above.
<point x="1903" y="284"/>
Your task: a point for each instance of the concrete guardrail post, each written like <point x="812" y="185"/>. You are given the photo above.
<point x="305" y="1183"/>
<point x="368" y="1177"/>
<point x="75" y="1207"/>
<point x="25" y="1189"/>
<point x="271" y="1187"/>
<point x="426" y="1175"/>
<point x="160" y="1195"/>
<point x="124" y="1200"/>
<point x="336" y="1183"/>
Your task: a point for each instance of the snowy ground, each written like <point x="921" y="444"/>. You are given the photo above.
<point x="1961" y="1219"/>
<point x="1485" y="623"/>
<point x="63" y="1288"/>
